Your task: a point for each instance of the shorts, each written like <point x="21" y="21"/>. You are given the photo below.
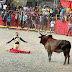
<point x="33" y="22"/>
<point x="20" y="21"/>
<point x="16" y="20"/>
<point x="8" y="23"/>
<point x="3" y="20"/>
<point x="17" y="46"/>
<point x="69" y="28"/>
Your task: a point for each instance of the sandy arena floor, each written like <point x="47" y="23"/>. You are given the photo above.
<point x="37" y="60"/>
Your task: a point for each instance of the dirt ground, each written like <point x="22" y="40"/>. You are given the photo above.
<point x="37" y="60"/>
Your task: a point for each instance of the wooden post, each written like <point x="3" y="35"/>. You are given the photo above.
<point x="56" y="16"/>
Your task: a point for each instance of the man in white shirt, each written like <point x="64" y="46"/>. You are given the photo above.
<point x="52" y="24"/>
<point x="24" y="19"/>
<point x="43" y="10"/>
<point x="25" y="8"/>
<point x="69" y="28"/>
<point x="4" y="6"/>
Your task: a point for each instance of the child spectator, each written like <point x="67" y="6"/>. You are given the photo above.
<point x="20" y="19"/>
<point x="8" y="21"/>
<point x="3" y="17"/>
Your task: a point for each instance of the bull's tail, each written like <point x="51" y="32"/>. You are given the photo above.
<point x="67" y="46"/>
<point x="67" y="51"/>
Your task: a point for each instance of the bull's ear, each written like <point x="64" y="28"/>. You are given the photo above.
<point x="39" y="37"/>
<point x="50" y="36"/>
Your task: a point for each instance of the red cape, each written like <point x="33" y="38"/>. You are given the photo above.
<point x="18" y="51"/>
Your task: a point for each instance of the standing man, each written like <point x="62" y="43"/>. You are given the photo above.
<point x="0" y="6"/>
<point x="16" y="19"/>
<point x="44" y="23"/>
<point x="24" y="20"/>
<point x="33" y="20"/>
<point x="71" y="15"/>
<point x="20" y="16"/>
<point x="8" y="21"/>
<point x="52" y="24"/>
<point x="69" y="28"/>
<point x="37" y="23"/>
<point x="28" y="21"/>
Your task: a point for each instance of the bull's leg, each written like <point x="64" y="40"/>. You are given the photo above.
<point x="65" y="54"/>
<point x="68" y="58"/>
<point x="49" y="55"/>
<point x="70" y="32"/>
<point x="65" y="60"/>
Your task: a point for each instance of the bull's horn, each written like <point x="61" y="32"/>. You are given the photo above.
<point x="40" y="33"/>
<point x="46" y="33"/>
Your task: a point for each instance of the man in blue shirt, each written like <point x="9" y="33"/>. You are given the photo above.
<point x="0" y="6"/>
<point x="62" y="14"/>
<point x="8" y="21"/>
<point x="20" y="19"/>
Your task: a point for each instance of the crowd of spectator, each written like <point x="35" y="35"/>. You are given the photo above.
<point x="34" y="17"/>
<point x="66" y="14"/>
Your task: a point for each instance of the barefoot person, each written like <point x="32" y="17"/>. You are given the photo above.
<point x="16" y="40"/>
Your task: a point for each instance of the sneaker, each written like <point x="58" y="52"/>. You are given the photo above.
<point x="66" y="35"/>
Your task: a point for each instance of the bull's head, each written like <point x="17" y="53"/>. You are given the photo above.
<point x="44" y="38"/>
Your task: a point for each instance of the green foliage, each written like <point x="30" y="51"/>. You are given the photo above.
<point x="17" y="4"/>
<point x="47" y="0"/>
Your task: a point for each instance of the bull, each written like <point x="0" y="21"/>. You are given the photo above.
<point x="53" y="45"/>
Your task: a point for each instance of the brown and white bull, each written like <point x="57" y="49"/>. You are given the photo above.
<point x="54" y="45"/>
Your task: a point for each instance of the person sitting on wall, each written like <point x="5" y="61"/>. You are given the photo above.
<point x="62" y="14"/>
<point x="68" y="9"/>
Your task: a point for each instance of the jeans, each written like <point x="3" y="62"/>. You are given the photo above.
<point x="61" y="16"/>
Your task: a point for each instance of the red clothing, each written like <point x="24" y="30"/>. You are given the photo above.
<point x="18" y="51"/>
